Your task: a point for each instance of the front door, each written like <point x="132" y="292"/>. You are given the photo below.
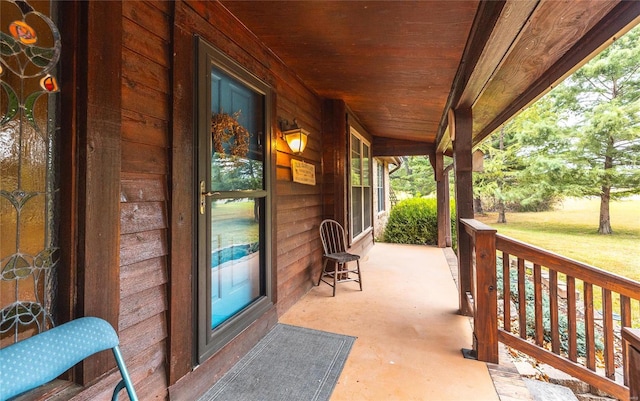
<point x="233" y="200"/>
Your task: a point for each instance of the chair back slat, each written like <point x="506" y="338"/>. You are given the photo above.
<point x="333" y="237"/>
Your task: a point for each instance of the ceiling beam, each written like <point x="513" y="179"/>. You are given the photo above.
<point x="507" y="31"/>
<point x="624" y="16"/>
<point x="398" y="147"/>
<point x="483" y="25"/>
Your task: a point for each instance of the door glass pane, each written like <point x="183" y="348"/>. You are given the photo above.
<point x="235" y="256"/>
<point x="237" y="120"/>
<point x="236" y="225"/>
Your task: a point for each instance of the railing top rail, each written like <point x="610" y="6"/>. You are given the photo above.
<point x="570" y="267"/>
<point x="476" y="225"/>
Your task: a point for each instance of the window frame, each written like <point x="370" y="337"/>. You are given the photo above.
<point x="364" y="230"/>
<point x="380" y="187"/>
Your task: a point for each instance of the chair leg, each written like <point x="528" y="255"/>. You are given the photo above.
<point x="126" y="379"/>
<point x="324" y="267"/>
<point x="359" y="276"/>
<point x="335" y="277"/>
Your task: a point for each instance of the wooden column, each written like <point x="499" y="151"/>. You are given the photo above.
<point x="484" y="290"/>
<point x="181" y="344"/>
<point x="460" y="125"/>
<point x="442" y="194"/>
<point x="97" y="126"/>
<point x="335" y="151"/>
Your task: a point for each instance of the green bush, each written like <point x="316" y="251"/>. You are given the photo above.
<point x="414" y="221"/>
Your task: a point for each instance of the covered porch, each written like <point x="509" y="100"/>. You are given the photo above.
<point x="408" y="328"/>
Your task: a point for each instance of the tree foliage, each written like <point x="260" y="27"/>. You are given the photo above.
<point x="581" y="139"/>
<point x="524" y="166"/>
<point x="601" y="104"/>
<point x="414" y="178"/>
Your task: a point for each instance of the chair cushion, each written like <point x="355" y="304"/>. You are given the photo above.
<point x="342" y="257"/>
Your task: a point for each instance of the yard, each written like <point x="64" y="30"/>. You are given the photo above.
<point x="571" y="231"/>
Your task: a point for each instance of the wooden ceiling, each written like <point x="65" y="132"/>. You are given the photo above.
<point x="400" y="65"/>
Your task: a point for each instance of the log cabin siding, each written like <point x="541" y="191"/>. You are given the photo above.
<point x="146" y="99"/>
<point x="156" y="201"/>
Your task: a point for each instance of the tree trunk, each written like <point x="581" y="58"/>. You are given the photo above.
<point x="605" y="195"/>
<point x="605" y="218"/>
<point x="502" y="216"/>
<point x="477" y="205"/>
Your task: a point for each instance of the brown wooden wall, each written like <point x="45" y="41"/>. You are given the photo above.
<point x="146" y="98"/>
<point x="296" y="208"/>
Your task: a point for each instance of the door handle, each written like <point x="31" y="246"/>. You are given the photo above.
<point x="203" y="196"/>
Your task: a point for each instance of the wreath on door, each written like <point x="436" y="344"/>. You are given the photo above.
<point x="228" y="135"/>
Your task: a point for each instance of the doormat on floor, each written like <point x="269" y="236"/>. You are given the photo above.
<point x="289" y="363"/>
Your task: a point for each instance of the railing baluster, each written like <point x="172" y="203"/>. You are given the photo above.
<point x="625" y="321"/>
<point x="578" y="312"/>
<point x="537" y="295"/>
<point x="506" y="290"/>
<point x="553" y="311"/>
<point x="589" y="329"/>
<point x="607" y="323"/>
<point x="571" y="318"/>
<point x="625" y="311"/>
<point x="522" y="299"/>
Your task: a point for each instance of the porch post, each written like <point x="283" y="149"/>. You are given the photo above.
<point x="631" y="347"/>
<point x="460" y="125"/>
<point x="485" y="294"/>
<point x="442" y="195"/>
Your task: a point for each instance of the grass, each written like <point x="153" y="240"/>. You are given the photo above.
<point x="571" y="231"/>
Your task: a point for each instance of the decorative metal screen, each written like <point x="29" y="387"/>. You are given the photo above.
<point x="29" y="51"/>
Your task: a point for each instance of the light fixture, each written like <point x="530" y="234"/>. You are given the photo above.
<point x="295" y="136"/>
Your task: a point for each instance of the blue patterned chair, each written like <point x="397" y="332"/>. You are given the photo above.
<point x="37" y="360"/>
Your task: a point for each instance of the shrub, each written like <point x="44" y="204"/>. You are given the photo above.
<point x="414" y="221"/>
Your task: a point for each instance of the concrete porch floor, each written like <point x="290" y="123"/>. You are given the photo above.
<point x="409" y="334"/>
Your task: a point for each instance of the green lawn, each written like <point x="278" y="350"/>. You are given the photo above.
<point x="571" y="230"/>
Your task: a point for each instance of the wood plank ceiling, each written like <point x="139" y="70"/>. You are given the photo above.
<point x="400" y="65"/>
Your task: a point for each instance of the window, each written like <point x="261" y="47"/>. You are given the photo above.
<point x="233" y="200"/>
<point x="380" y="187"/>
<point x="361" y="196"/>
<point x="29" y="174"/>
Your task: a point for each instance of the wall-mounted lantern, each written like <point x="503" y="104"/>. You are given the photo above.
<point x="295" y="136"/>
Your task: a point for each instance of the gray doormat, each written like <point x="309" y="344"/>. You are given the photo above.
<point x="289" y="363"/>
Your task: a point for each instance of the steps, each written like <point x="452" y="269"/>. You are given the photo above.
<point x="543" y="391"/>
<point x="556" y="385"/>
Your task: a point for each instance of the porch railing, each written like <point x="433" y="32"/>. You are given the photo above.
<point x="561" y="312"/>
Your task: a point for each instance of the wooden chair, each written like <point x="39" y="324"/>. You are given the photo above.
<point x="37" y="360"/>
<point x="335" y="250"/>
